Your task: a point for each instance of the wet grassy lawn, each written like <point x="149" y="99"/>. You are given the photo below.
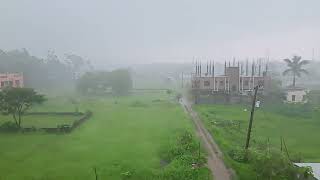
<point x="124" y="136"/>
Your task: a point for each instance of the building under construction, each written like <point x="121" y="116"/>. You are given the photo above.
<point x="236" y="84"/>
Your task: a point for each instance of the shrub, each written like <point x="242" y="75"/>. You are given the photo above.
<point x="126" y="175"/>
<point x="185" y="138"/>
<point x="291" y="110"/>
<point x="9" y="127"/>
<point x="156" y="100"/>
<point x="178" y="170"/>
<point x="273" y="164"/>
<point x="119" y="82"/>
<point x="238" y="154"/>
<point x="138" y="104"/>
<point x="184" y="159"/>
<point x="178" y="96"/>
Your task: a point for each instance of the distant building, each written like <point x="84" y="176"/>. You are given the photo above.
<point x="296" y="95"/>
<point x="235" y="81"/>
<point x="11" y="80"/>
<point x="314" y="166"/>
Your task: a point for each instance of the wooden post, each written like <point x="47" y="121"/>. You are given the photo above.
<point x="281" y="143"/>
<point x="95" y="173"/>
<point x="268" y="145"/>
<point x="251" y="117"/>
<point x="182" y="79"/>
<point x="213" y="69"/>
<point x="247" y="67"/>
<point x="285" y="147"/>
<point x="199" y="153"/>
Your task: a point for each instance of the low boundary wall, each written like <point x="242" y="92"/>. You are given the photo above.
<point x="63" y="128"/>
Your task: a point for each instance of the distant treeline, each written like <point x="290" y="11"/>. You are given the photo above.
<point x="43" y="73"/>
<point x="117" y="82"/>
<point x="310" y="80"/>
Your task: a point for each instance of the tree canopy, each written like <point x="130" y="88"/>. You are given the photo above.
<point x="49" y="72"/>
<point x="16" y="101"/>
<point x="295" y="68"/>
<point x="118" y="82"/>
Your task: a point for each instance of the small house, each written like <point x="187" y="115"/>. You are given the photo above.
<point x="11" y="80"/>
<point x="296" y="95"/>
<point x="314" y="166"/>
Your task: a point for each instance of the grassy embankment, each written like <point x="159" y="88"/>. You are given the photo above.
<point x="298" y="125"/>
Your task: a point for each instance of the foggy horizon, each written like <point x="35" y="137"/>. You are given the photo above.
<point x="159" y="90"/>
<point x="136" y="32"/>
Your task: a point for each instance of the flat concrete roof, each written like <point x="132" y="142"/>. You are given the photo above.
<point x="315" y="167"/>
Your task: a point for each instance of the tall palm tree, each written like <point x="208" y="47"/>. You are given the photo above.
<point x="295" y="68"/>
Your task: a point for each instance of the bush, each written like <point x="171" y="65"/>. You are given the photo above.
<point x="169" y="91"/>
<point x="291" y="110"/>
<point x="118" y="82"/>
<point x="185" y="144"/>
<point x="138" y="104"/>
<point x="126" y="175"/>
<point x="179" y="96"/>
<point x="156" y="100"/>
<point x="178" y="170"/>
<point x="314" y="97"/>
<point x="9" y="127"/>
<point x="184" y="159"/>
<point x="238" y="154"/>
<point x="271" y="164"/>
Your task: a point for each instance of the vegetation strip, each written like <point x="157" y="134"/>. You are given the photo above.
<point x="270" y="156"/>
<point x="215" y="163"/>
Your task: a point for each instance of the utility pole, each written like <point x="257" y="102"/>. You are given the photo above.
<point x="251" y="116"/>
<point x="312" y="54"/>
<point x="182" y="79"/>
<point x="95" y="173"/>
<point x="247" y="67"/>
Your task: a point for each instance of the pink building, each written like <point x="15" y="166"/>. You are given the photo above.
<point x="11" y="80"/>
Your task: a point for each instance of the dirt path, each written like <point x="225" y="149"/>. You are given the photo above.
<point x="215" y="162"/>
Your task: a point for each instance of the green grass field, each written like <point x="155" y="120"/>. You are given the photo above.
<point x="301" y="133"/>
<point x="124" y="135"/>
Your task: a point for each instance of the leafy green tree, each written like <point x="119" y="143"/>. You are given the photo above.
<point x="45" y="73"/>
<point x="121" y="81"/>
<point x="78" y="64"/>
<point x="85" y="82"/>
<point x="16" y="101"/>
<point x="295" y="68"/>
<point x="75" y="103"/>
<point x="274" y="91"/>
<point x="93" y="82"/>
<point x="276" y="165"/>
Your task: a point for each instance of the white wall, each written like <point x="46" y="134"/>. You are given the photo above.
<point x="298" y="93"/>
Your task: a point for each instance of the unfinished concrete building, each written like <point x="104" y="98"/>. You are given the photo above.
<point x="234" y="85"/>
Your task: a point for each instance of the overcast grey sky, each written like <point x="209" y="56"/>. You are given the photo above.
<point x="162" y="30"/>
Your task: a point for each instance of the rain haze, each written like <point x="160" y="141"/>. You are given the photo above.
<point x="142" y="31"/>
<point x="159" y="89"/>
